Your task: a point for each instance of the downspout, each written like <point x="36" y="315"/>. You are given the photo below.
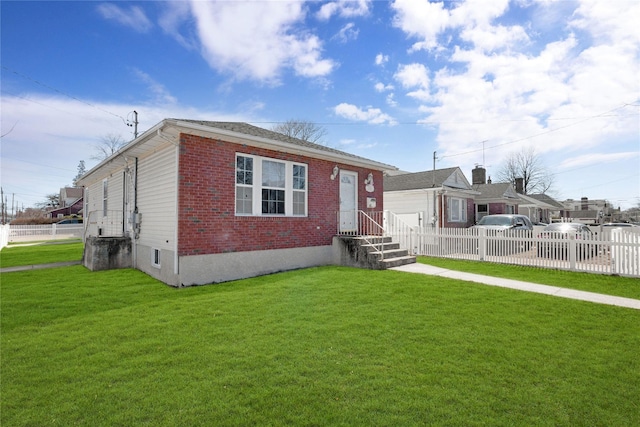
<point x="176" y="258"/>
<point x="124" y="203"/>
<point x="134" y="248"/>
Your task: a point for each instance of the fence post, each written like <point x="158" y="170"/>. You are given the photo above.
<point x="482" y="243"/>
<point x="53" y="229"/>
<point x="572" y="251"/>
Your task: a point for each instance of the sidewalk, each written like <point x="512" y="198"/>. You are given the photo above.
<point x="39" y="266"/>
<point x="522" y="286"/>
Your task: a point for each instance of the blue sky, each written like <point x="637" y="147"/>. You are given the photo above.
<point x="392" y="81"/>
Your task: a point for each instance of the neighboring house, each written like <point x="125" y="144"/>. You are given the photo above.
<point x="590" y="211"/>
<point x="493" y="199"/>
<point x="539" y="212"/>
<point x="555" y="206"/>
<point x="203" y="202"/>
<point x="70" y="195"/>
<point x="441" y="198"/>
<point x="71" y="203"/>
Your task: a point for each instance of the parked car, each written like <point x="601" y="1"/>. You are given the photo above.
<point x="505" y="222"/>
<point x="613" y="225"/>
<point x="557" y="235"/>
<point x="507" y="225"/>
<point x="70" y="221"/>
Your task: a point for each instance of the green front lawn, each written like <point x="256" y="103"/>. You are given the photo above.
<point x="41" y="253"/>
<point x="323" y="346"/>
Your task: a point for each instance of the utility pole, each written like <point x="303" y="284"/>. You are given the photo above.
<point x="2" y="204"/>
<point x="135" y="129"/>
<point x="135" y="124"/>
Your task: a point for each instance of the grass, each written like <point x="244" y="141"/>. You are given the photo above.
<point x="609" y="285"/>
<point x="323" y="346"/>
<point x="40" y="253"/>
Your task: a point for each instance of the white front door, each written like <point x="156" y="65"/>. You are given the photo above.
<point x="348" y="201"/>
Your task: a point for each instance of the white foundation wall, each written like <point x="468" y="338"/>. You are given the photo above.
<point x="165" y="273"/>
<point x="205" y="269"/>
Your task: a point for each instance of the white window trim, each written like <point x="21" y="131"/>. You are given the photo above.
<point x="462" y="209"/>
<point x="156" y="261"/>
<point x="288" y="188"/>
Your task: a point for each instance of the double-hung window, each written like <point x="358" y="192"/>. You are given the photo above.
<point x="457" y="210"/>
<point x="266" y="186"/>
<point x="244" y="185"/>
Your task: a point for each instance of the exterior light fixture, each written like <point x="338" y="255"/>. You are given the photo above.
<point x="369" y="183"/>
<point x="336" y="170"/>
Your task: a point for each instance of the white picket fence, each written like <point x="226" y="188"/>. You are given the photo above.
<point x="615" y="252"/>
<point x="27" y="233"/>
<point x="4" y="235"/>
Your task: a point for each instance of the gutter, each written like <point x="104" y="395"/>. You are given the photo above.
<point x="285" y="147"/>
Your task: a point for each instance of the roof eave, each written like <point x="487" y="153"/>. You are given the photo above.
<point x="122" y="151"/>
<point x="284" y="146"/>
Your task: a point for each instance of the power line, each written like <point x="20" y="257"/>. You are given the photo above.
<point x="63" y="93"/>
<point x="541" y="133"/>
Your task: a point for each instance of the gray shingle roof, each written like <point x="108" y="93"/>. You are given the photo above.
<point x="417" y="180"/>
<point x="247" y="129"/>
<point x="547" y="199"/>
<point x="493" y="191"/>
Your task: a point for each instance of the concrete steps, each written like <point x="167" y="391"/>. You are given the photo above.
<point x="378" y="253"/>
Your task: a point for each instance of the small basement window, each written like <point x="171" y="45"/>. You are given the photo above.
<point x="155" y="258"/>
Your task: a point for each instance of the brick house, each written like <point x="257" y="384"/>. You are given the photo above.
<point x="197" y="202"/>
<point x="493" y="199"/>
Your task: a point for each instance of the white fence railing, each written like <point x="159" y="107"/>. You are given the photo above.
<point x="614" y="252"/>
<point x="368" y="226"/>
<point x="110" y="225"/>
<point x="27" y="233"/>
<point x="4" y="235"/>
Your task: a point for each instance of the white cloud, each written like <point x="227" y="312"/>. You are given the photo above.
<point x="414" y="76"/>
<point x="344" y="8"/>
<point x="421" y="19"/>
<point x="160" y="94"/>
<point x="258" y="40"/>
<point x="391" y="100"/>
<point x="132" y="17"/>
<point x="381" y="87"/>
<point x="370" y="115"/>
<point x="347" y="33"/>
<point x="172" y="18"/>
<point x="52" y="134"/>
<point x="497" y="87"/>
<point x="381" y="59"/>
<point x="427" y="21"/>
<point x="597" y="158"/>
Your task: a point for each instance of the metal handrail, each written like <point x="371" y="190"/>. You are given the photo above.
<point x="366" y="227"/>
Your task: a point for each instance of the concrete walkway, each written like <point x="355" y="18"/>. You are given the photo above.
<point x="522" y="286"/>
<point x="39" y="266"/>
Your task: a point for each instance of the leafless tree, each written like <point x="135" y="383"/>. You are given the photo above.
<point x="109" y="144"/>
<point x="302" y="129"/>
<point x="52" y="201"/>
<point x="526" y="164"/>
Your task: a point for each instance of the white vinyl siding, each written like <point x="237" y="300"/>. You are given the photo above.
<point x="157" y="198"/>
